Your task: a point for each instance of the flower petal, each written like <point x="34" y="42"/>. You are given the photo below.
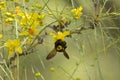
<point x="1" y="35"/>
<point x="11" y="52"/>
<point x="24" y="33"/>
<point x="66" y="33"/>
<point x="18" y="50"/>
<point x="38" y="74"/>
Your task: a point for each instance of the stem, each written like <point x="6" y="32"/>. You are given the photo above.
<point x="2" y="23"/>
<point x="5" y="72"/>
<point x="97" y="55"/>
<point x="16" y="28"/>
<point x="16" y="61"/>
<point x="33" y="71"/>
<point x="1" y="78"/>
<point x="99" y="69"/>
<point x="42" y="63"/>
<point x="49" y="8"/>
<point x="25" y="74"/>
<point x="72" y="4"/>
<point x="8" y="70"/>
<point x="17" y="67"/>
<point x="67" y="73"/>
<point x="74" y="72"/>
<point x="103" y="6"/>
<point x="87" y="72"/>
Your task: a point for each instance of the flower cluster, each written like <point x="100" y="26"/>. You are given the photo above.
<point x="60" y="35"/>
<point x="27" y="25"/>
<point x="9" y="17"/>
<point x="14" y="46"/>
<point x="77" y="12"/>
<point x="2" y="5"/>
<point x="30" y="22"/>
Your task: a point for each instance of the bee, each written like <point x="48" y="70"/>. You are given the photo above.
<point x="60" y="46"/>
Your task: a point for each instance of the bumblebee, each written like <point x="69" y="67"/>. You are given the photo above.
<point x="60" y="46"/>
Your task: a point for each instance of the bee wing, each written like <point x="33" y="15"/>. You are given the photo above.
<point x="65" y="54"/>
<point x="51" y="54"/>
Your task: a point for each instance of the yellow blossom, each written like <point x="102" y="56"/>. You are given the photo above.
<point x="13" y="46"/>
<point x="52" y="69"/>
<point x="30" y="23"/>
<point x="38" y="74"/>
<point x="9" y="20"/>
<point x="1" y="35"/>
<point x="24" y="33"/>
<point x="41" y="16"/>
<point x="29" y="40"/>
<point x="10" y="17"/>
<point x="32" y="19"/>
<point x="2" y="5"/>
<point x="37" y="6"/>
<point x="24" y="18"/>
<point x="10" y="14"/>
<point x="60" y="35"/>
<point x="77" y="12"/>
<point x="17" y="9"/>
<point x="50" y="13"/>
<point x="30" y="31"/>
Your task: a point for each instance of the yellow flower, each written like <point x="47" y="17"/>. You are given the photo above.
<point x="17" y="9"/>
<point x="24" y="33"/>
<point x="30" y="22"/>
<point x="30" y="31"/>
<point x="13" y="46"/>
<point x="37" y="6"/>
<point x="24" y="18"/>
<point x="38" y="74"/>
<point x="29" y="40"/>
<point x="77" y="12"/>
<point x="9" y="20"/>
<point x="52" y="69"/>
<point x="1" y="35"/>
<point x="10" y="17"/>
<point x="32" y="19"/>
<point x="2" y="5"/>
<point x="9" y="14"/>
<point x="41" y="16"/>
<point x="60" y="35"/>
